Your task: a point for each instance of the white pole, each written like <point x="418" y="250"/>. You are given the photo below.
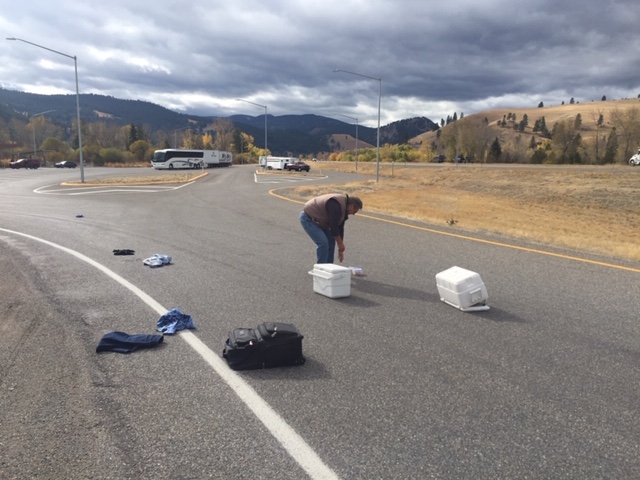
<point x="75" y="61"/>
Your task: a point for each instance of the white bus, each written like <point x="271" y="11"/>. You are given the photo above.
<point x="171" y="158"/>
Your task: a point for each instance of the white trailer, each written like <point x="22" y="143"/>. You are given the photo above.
<point x="275" y="163"/>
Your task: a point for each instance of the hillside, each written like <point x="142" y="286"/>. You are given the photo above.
<point x="589" y="111"/>
<point x="341" y="142"/>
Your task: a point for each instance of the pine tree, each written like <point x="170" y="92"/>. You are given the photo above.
<point x="577" y="124"/>
<point x="611" y="149"/>
<point x="133" y="135"/>
<point x="543" y="128"/>
<point x="496" y="150"/>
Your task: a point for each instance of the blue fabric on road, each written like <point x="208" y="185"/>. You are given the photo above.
<point x="122" y="342"/>
<point x="174" y="320"/>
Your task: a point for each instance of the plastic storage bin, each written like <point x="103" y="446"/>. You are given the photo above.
<point x="330" y="280"/>
<point x="462" y="289"/>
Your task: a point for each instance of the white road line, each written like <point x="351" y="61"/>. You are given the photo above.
<point x="108" y="189"/>
<point x="292" y="179"/>
<point x="293" y="443"/>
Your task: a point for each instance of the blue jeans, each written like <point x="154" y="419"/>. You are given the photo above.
<point x="322" y="238"/>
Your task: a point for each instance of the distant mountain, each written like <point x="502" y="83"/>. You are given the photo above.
<point x="287" y="134"/>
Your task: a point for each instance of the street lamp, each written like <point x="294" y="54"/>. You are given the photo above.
<point x="266" y="154"/>
<point x="75" y="61"/>
<point x="379" y="100"/>
<point x="354" y="118"/>
<point x="33" y="129"/>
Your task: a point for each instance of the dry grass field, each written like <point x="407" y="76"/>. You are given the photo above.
<point x="590" y="209"/>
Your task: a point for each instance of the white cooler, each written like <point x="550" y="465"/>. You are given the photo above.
<point x="462" y="289"/>
<point x="330" y="280"/>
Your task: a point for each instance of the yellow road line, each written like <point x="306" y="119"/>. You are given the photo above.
<point x="487" y="242"/>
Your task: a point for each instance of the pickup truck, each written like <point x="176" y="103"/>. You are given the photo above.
<point x="297" y="166"/>
<point x="25" y="163"/>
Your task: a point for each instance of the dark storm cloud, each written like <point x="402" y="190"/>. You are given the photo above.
<point x="434" y="58"/>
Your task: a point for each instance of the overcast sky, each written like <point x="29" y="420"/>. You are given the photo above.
<point x="434" y="57"/>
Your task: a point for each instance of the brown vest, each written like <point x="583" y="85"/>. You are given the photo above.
<point x="316" y="208"/>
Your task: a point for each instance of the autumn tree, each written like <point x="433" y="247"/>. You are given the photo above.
<point x="450" y="139"/>
<point x="102" y="134"/>
<point x="207" y="141"/>
<point x="141" y="150"/>
<point x="627" y="124"/>
<point x="39" y="129"/>
<point x="55" y="150"/>
<point x="565" y="142"/>
<point x="223" y="134"/>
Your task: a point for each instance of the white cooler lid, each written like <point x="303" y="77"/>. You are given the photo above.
<point x="331" y="268"/>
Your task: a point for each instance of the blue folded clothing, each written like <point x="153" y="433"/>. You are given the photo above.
<point x="122" y="342"/>
<point x="174" y="320"/>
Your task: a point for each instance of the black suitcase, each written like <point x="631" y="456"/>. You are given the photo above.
<point x="242" y="349"/>
<point x="281" y="344"/>
<point x="271" y="344"/>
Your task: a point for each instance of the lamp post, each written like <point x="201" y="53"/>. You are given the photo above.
<point x="33" y="129"/>
<point x="379" y="101"/>
<point x="75" y="61"/>
<point x="266" y="154"/>
<point x="354" y="118"/>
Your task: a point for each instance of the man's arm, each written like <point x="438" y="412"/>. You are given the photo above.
<point x="335" y="224"/>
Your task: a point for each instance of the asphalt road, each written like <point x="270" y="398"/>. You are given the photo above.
<point x="397" y="384"/>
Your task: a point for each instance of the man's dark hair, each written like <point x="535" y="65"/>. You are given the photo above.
<point x="355" y="201"/>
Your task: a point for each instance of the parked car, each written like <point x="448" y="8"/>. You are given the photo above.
<point x="463" y="159"/>
<point x="438" y="159"/>
<point x="66" y="164"/>
<point x="635" y="160"/>
<point x="297" y="166"/>
<point x="25" y="163"/>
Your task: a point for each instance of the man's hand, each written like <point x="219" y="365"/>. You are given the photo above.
<point x="341" y="249"/>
